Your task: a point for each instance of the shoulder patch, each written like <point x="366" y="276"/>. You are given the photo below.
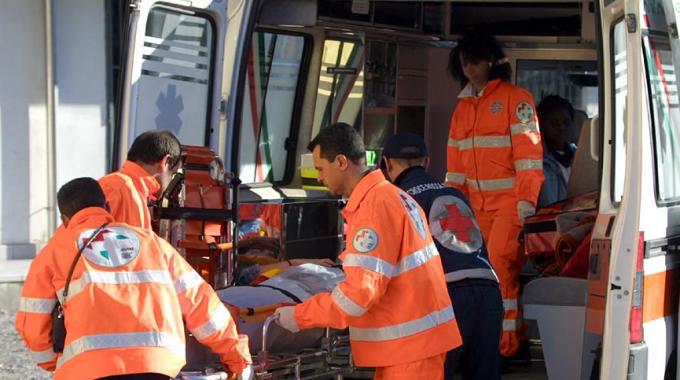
<point x="365" y="240"/>
<point x="524" y="112"/>
<point x="411" y="208"/>
<point x="454" y="226"/>
<point x="113" y="247"/>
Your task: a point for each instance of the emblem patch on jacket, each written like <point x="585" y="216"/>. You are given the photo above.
<point x="454" y="226"/>
<point x="411" y="208"/>
<point x="496" y="107"/>
<point x="524" y="112"/>
<point x="113" y="247"/>
<point x="365" y="240"/>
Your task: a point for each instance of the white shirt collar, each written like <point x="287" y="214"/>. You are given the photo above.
<point x="469" y="92"/>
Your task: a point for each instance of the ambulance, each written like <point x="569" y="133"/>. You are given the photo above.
<point x="253" y="81"/>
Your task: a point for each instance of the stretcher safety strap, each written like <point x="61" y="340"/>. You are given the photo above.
<point x="116" y="278"/>
<point x="386" y="269"/>
<point x="492" y="184"/>
<point x="346" y="304"/>
<point x="454" y="177"/>
<point x="187" y="281"/>
<point x="43" y="356"/>
<point x="402" y="330"/>
<point x="528" y="165"/>
<point x="476" y="273"/>
<point x="123" y="340"/>
<point x="518" y="129"/>
<point x="217" y="321"/>
<point x="37" y="305"/>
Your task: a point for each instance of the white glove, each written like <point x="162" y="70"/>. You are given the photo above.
<point x="524" y="210"/>
<point x="247" y="374"/>
<point x="287" y="318"/>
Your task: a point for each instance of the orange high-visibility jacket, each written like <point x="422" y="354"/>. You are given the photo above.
<point x="128" y="191"/>
<point x="128" y="295"/>
<point x="494" y="151"/>
<point x="394" y="298"/>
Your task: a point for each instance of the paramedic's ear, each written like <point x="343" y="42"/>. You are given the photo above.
<point x="342" y="161"/>
<point x="426" y="163"/>
<point x="64" y="219"/>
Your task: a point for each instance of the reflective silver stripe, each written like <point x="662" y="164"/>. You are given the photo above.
<point x="465" y="144"/>
<point x="528" y="165"/>
<point x="124" y="340"/>
<point x="37" y="305"/>
<point x="477" y="273"/>
<point x="116" y="278"/>
<point x="491" y="184"/>
<point x="43" y="356"/>
<point x="386" y="269"/>
<point x="405" y="329"/>
<point x="492" y="141"/>
<point x="346" y="304"/>
<point x="517" y="129"/>
<point x="509" y="304"/>
<point x="187" y="281"/>
<point x="453" y="143"/>
<point x="454" y="177"/>
<point x="509" y="325"/>
<point x="218" y="319"/>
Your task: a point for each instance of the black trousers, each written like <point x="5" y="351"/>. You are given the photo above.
<point x="478" y="306"/>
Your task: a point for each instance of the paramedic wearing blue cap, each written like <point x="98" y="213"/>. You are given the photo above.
<point x="472" y="282"/>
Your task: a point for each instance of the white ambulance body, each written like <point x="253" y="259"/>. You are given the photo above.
<point x="255" y="80"/>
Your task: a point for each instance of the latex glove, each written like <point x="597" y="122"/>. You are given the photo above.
<point x="247" y="374"/>
<point x="286" y="318"/>
<point x="524" y="210"/>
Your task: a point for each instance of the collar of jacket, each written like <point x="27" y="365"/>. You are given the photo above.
<point x="89" y="217"/>
<point x="137" y="172"/>
<point x="365" y="184"/>
<point x="468" y="92"/>
<point x="409" y="174"/>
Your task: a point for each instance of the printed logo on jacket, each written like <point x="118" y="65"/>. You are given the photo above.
<point x="413" y="212"/>
<point x="454" y="226"/>
<point x="113" y="247"/>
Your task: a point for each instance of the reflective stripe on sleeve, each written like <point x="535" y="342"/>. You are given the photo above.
<point x="509" y="324"/>
<point x="476" y="273"/>
<point x="454" y="177"/>
<point x="405" y="329"/>
<point x="386" y="269"/>
<point x="123" y="340"/>
<point x="346" y="304"/>
<point x="465" y="144"/>
<point x="43" y="356"/>
<point x="492" y="142"/>
<point x="492" y="184"/>
<point x="116" y="278"/>
<point x="509" y="304"/>
<point x="528" y="165"/>
<point x="453" y="143"/>
<point x="187" y="281"/>
<point x="518" y="129"/>
<point x="37" y="305"/>
<point x="218" y="319"/>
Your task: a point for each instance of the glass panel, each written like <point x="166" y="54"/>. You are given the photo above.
<point x="619" y="122"/>
<point x="270" y="94"/>
<point x="341" y="84"/>
<point x="662" y="57"/>
<point x="175" y="81"/>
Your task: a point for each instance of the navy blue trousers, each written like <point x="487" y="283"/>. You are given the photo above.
<point x="478" y="306"/>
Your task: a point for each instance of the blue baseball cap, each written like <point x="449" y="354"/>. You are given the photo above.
<point x="405" y="145"/>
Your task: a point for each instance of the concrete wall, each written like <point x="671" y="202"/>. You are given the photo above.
<point x="23" y="133"/>
<point x="80" y="89"/>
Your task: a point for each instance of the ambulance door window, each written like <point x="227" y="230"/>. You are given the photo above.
<point x="271" y="107"/>
<point x="619" y="99"/>
<point x="662" y="56"/>
<point x="175" y="81"/>
<point x="341" y="84"/>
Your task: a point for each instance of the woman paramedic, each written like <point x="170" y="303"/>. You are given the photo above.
<point x="494" y="156"/>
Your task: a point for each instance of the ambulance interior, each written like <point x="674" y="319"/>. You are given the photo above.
<point x="381" y="66"/>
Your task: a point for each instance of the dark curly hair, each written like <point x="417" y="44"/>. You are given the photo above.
<point x="479" y="45"/>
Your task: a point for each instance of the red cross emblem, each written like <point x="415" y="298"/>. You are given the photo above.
<point x="99" y="237"/>
<point x="457" y="223"/>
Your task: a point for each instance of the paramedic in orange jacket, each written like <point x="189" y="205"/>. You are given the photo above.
<point x="128" y="295"/>
<point x="495" y="157"/>
<point x="151" y="161"/>
<point x="394" y="298"/>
